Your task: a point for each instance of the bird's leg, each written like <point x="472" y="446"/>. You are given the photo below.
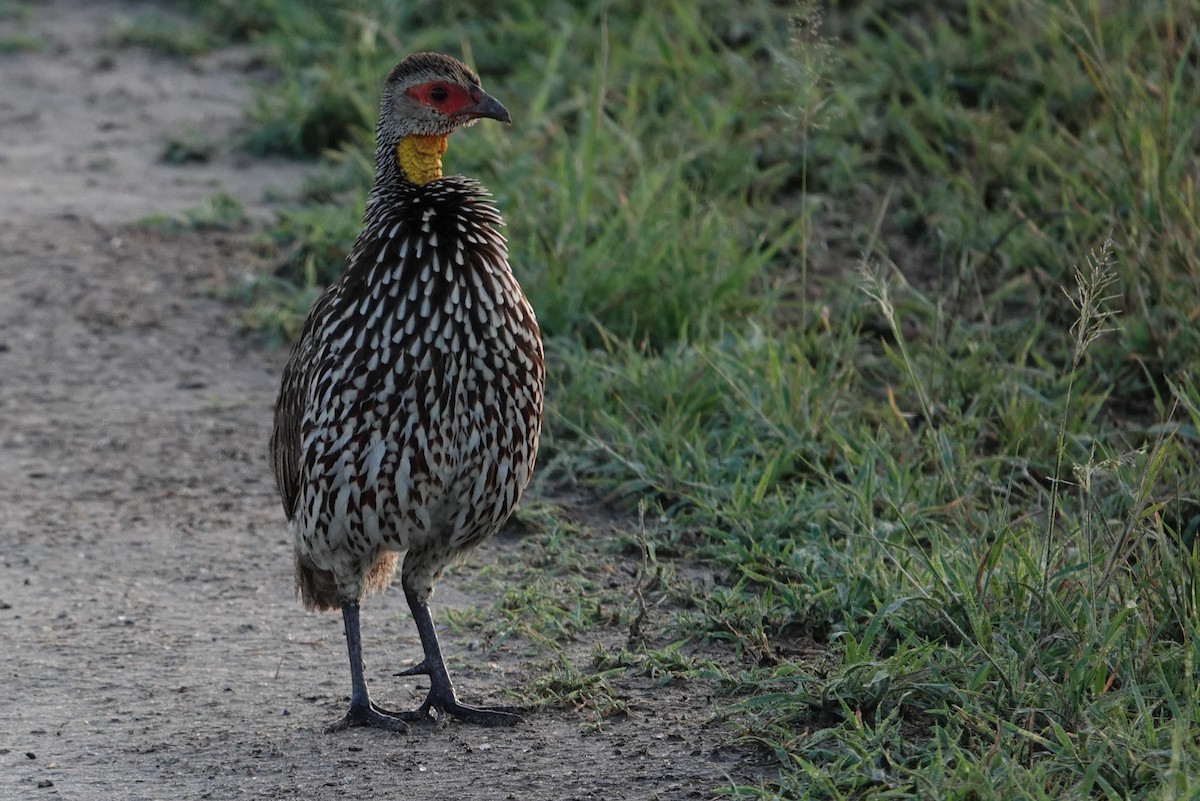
<point x="442" y="699"/>
<point x="362" y="712"/>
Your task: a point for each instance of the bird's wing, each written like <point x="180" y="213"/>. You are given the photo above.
<point x="289" y="409"/>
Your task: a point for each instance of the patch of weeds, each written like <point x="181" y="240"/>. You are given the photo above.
<point x="187" y="147"/>
<point x="14" y="10"/>
<point x="312" y="243"/>
<point x="548" y="593"/>
<point x="165" y="34"/>
<point x="669" y="664"/>
<point x="550" y="611"/>
<point x="563" y="686"/>
<point x="307" y="118"/>
<point x="274" y="309"/>
<point x="23" y="43"/>
<point x="221" y="212"/>
<point x="247" y="20"/>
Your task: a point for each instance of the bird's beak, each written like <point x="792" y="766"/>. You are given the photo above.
<point x="489" y="107"/>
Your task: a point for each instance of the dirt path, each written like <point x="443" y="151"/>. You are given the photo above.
<point x="151" y="644"/>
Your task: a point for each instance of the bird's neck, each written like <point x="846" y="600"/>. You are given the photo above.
<point x="419" y="158"/>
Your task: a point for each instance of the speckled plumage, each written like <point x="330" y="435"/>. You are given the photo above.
<point x="417" y="389"/>
<point x="409" y="414"/>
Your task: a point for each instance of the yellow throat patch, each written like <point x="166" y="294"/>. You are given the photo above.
<point x="420" y="157"/>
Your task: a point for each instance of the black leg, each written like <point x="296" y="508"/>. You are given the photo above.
<point x="441" y="699"/>
<point x="362" y="712"/>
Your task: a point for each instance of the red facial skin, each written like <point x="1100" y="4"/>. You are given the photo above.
<point x="450" y="99"/>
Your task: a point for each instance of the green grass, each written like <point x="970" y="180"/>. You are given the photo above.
<point x="23" y="43"/>
<point x="17" y="11"/>
<point x="221" y="212"/>
<point x="14" y="36"/>
<point x="187" y="147"/>
<point x="890" y="322"/>
<point x="161" y="33"/>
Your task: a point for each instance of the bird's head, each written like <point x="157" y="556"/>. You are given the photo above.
<point x="426" y="97"/>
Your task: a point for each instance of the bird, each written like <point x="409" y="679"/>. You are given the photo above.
<point x="410" y="408"/>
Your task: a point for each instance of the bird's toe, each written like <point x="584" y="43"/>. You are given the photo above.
<point x="369" y="717"/>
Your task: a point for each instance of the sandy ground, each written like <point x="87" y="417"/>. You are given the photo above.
<point x="150" y="643"/>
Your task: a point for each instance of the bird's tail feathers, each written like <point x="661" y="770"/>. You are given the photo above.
<point x="318" y="589"/>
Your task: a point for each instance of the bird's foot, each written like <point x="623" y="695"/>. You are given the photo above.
<point x="370" y="716"/>
<point x="441" y="706"/>
<point x="493" y="716"/>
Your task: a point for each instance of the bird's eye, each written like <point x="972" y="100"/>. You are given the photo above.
<point x="438" y="94"/>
